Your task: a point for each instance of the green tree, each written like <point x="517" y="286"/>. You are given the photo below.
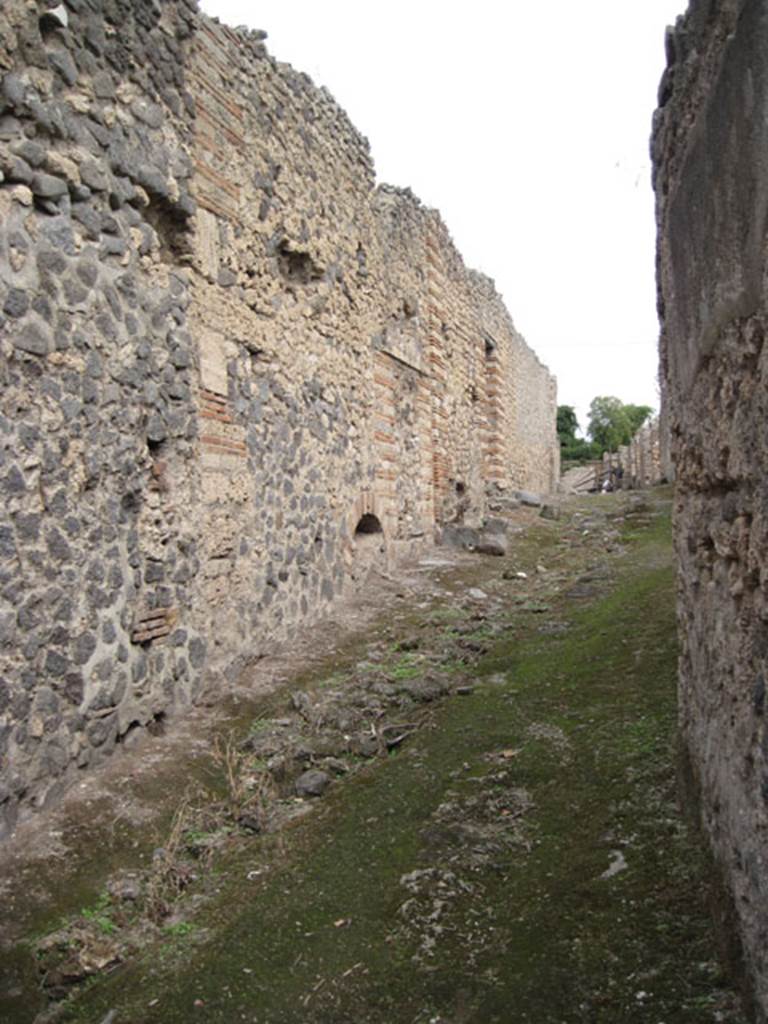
<point x="567" y="424"/>
<point x="612" y="423"/>
<point x="579" y="450"/>
<point x="638" y="415"/>
<point x="572" y="448"/>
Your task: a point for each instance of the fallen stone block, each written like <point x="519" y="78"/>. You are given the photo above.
<point x="312" y="783"/>
<point x="460" y="536"/>
<point x="488" y="541"/>
<point x="491" y="544"/>
<point x="529" y="499"/>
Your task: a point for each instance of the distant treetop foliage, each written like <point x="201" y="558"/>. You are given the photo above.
<point x="612" y="423"/>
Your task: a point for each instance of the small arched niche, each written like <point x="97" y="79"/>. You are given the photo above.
<point x="368" y="544"/>
<point x="367" y="527"/>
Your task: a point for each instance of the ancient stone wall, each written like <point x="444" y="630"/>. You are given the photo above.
<point x="710" y="150"/>
<point x="236" y="374"/>
<point x="641" y="461"/>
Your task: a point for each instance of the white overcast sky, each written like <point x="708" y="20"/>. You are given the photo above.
<point x="526" y="124"/>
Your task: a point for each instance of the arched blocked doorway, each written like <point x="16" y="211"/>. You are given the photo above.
<point x="367" y="537"/>
<point x="367" y="529"/>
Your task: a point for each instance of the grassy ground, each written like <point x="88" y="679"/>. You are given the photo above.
<point x="521" y="858"/>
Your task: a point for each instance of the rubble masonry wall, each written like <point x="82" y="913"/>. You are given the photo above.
<point x="235" y="373"/>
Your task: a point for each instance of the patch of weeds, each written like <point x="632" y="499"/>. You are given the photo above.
<point x="406" y="667"/>
<point x="442" y="614"/>
<point x="703" y="1002"/>
<point x="180" y="929"/>
<point x="536" y="607"/>
<point x="642" y="736"/>
<point x="170" y="874"/>
<point x="481" y="635"/>
<point x="250" y="786"/>
<point x="100" y="914"/>
<point x="340" y="678"/>
<point x="201" y="843"/>
<point x="631" y="537"/>
<point x="402" y="672"/>
<point x="452" y="665"/>
<point x="230" y="759"/>
<point x="194" y="836"/>
<point x="259" y="725"/>
<point x="69" y="959"/>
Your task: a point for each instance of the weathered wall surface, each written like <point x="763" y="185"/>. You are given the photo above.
<point x="711" y="175"/>
<point x="226" y="357"/>
<point x="642" y="461"/>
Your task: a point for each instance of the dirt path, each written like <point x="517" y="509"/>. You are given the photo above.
<point x="496" y="837"/>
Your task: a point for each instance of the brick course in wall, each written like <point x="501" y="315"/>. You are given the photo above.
<point x="221" y="346"/>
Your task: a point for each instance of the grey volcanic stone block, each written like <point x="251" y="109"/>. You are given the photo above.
<point x="103" y="85"/>
<point x="150" y="113"/>
<point x="14" y="89"/>
<point x="61" y="61"/>
<point x="85" y="214"/>
<point x="48" y="186"/>
<point x="16" y="303"/>
<point x="31" y="151"/>
<point x="94" y="175"/>
<point x="35" y="339"/>
<point x="17" y="170"/>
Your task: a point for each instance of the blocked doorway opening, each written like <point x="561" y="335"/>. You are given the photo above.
<point x="368" y="525"/>
<point x="368" y="548"/>
<point x="367" y="528"/>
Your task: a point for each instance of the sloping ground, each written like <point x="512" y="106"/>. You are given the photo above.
<point x="498" y="837"/>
